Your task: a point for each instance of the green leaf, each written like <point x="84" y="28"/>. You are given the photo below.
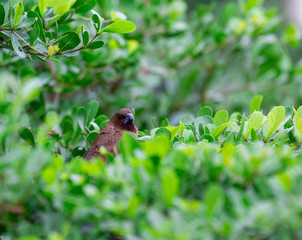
<point x="18" y="12"/>
<point x="26" y="23"/>
<point x="82" y="6"/>
<point x="60" y="7"/>
<point x="49" y="175"/>
<point x="97" y="21"/>
<point x="256" y="103"/>
<point x="189" y="136"/>
<point x="298" y="122"/>
<point x="252" y="3"/>
<point x="92" y="109"/>
<point x="216" y="133"/>
<point x="243" y="120"/>
<point x="91" y="137"/>
<point x="33" y="36"/>
<point x="27" y="136"/>
<point x="174" y="132"/>
<point x="85" y="37"/>
<point x="255" y="121"/>
<point x="42" y="6"/>
<point x="2" y="14"/>
<point x="51" y="119"/>
<point x="100" y="119"/>
<point x="122" y="26"/>
<point x="17" y="47"/>
<point x="128" y="144"/>
<point x="208" y="137"/>
<point x="206" y="110"/>
<point x="292" y="35"/>
<point x="164" y="123"/>
<point x="163" y="132"/>
<point x="69" y="40"/>
<point x="274" y="119"/>
<point x="221" y="117"/>
<point x="170" y="185"/>
<point x="81" y="116"/>
<point x="214" y="199"/>
<point x="35" y="15"/>
<point x="95" y="45"/>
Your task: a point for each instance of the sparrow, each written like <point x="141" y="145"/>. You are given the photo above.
<point x="110" y="135"/>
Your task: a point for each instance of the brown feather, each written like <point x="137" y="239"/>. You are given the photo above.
<point x="111" y="134"/>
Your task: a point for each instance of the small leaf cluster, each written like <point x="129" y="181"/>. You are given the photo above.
<point x="37" y="32"/>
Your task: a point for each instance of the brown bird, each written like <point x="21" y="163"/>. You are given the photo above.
<point x="110" y="135"/>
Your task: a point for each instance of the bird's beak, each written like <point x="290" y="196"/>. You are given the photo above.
<point x="129" y="118"/>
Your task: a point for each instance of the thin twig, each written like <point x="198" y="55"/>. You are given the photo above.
<point x="43" y="54"/>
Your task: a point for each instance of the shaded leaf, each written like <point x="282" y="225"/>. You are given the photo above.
<point x="27" y="136"/>
<point x="26" y="23"/>
<point x="85" y="37"/>
<point x="91" y="137"/>
<point x="83" y="5"/>
<point x="35" y="15"/>
<point x="95" y="45"/>
<point x="2" y="14"/>
<point x="17" y="47"/>
<point x="69" y="40"/>
<point x="92" y="109"/>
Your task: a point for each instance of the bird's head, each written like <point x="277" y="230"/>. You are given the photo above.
<point x="123" y="119"/>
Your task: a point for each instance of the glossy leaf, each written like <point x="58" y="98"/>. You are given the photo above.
<point x="122" y="26"/>
<point x="69" y="40"/>
<point x="27" y="136"/>
<point x="95" y="45"/>
<point x="85" y="37"/>
<point x="18" y="12"/>
<point x="274" y="118"/>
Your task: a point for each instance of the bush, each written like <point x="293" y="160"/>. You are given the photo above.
<point x="207" y="175"/>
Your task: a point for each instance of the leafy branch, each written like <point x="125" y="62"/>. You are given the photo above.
<point x="41" y="33"/>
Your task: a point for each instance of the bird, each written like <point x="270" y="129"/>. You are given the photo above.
<point x="110" y="135"/>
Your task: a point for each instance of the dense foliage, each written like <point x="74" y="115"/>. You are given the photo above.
<point x="194" y="172"/>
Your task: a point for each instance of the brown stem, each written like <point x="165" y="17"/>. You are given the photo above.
<point x="13" y="31"/>
<point x="40" y="53"/>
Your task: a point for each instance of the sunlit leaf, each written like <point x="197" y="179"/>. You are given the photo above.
<point x="122" y="26"/>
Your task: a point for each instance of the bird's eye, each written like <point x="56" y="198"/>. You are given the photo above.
<point x="121" y="117"/>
